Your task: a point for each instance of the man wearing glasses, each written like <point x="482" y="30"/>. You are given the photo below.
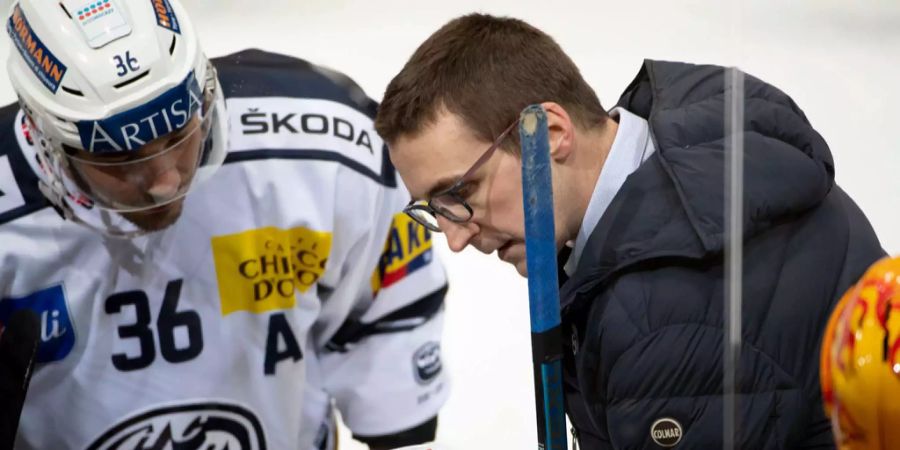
<point x="638" y="209"/>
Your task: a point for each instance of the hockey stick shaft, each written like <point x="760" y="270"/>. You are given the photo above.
<point x="543" y="287"/>
<point x="18" y="351"/>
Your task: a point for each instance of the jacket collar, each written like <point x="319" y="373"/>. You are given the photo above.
<point x="673" y="205"/>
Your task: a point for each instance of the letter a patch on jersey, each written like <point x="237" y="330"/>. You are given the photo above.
<point x="260" y="270"/>
<point x="408" y="248"/>
<point x="57" y="333"/>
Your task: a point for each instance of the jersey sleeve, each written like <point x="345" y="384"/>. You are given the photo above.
<point x="384" y="368"/>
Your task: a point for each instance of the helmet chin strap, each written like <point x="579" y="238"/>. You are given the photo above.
<point x="57" y="200"/>
<point x="54" y="190"/>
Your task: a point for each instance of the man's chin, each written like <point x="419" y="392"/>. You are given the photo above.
<point x="521" y="267"/>
<point x="514" y="253"/>
<point x="156" y="219"/>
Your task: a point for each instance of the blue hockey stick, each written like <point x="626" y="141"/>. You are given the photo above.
<point x="543" y="287"/>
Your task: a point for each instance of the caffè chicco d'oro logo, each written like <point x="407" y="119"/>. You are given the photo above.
<point x="260" y="270"/>
<point x="666" y="432"/>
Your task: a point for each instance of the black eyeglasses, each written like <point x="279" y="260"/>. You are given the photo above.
<point x="449" y="203"/>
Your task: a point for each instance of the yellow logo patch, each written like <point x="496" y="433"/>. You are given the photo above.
<point x="260" y="270"/>
<point x="407" y="249"/>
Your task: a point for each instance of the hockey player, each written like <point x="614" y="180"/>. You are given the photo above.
<point x="210" y="246"/>
<point x="860" y="362"/>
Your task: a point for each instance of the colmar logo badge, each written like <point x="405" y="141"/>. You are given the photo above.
<point x="208" y="425"/>
<point x="427" y="362"/>
<point x="260" y="270"/>
<point x="666" y="432"/>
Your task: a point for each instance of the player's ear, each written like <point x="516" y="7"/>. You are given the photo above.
<point x="560" y="129"/>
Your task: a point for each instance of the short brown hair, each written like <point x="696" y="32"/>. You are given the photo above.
<point x="485" y="70"/>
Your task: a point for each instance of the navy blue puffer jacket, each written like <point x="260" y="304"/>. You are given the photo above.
<point x="644" y="308"/>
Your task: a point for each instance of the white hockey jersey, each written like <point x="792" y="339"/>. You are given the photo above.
<point x="288" y="284"/>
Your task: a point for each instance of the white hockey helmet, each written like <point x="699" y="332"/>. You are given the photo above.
<point x="116" y="88"/>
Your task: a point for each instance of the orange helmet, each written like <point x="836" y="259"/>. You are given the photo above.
<point x="860" y="362"/>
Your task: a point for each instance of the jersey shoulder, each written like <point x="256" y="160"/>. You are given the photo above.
<point x="19" y="193"/>
<point x="257" y="73"/>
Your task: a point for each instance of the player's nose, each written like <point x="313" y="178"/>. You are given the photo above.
<point x="459" y="235"/>
<point x="165" y="184"/>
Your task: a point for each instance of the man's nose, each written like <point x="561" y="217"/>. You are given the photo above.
<point x="458" y="234"/>
<point x="162" y="178"/>
<point x="165" y="184"/>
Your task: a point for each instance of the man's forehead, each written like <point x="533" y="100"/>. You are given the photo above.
<point x="435" y="156"/>
<point x="444" y="126"/>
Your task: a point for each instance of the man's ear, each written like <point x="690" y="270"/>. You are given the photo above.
<point x="561" y="131"/>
